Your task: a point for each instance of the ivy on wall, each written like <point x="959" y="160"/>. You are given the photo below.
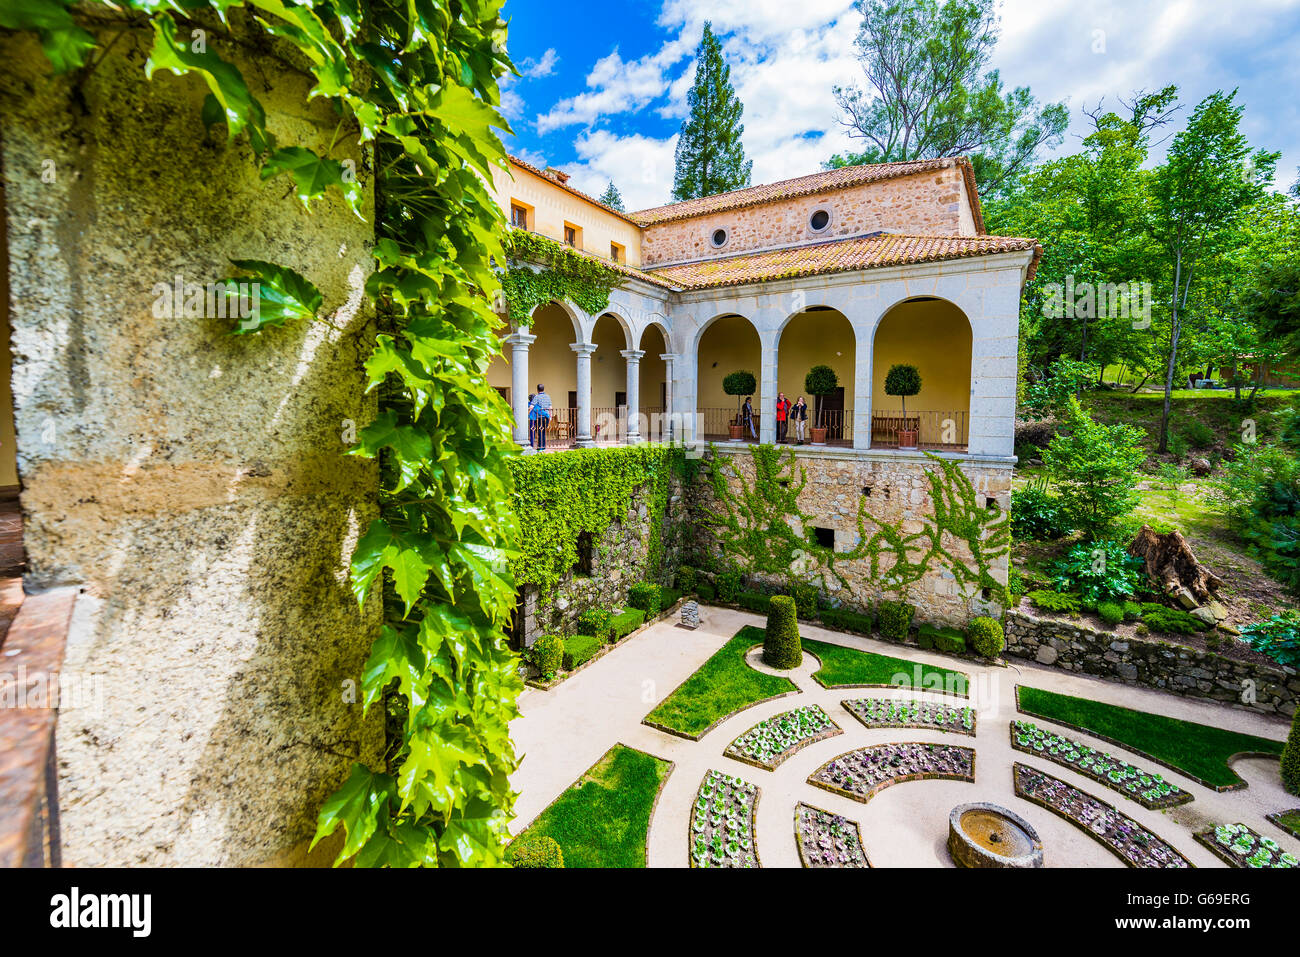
<point x="562" y="494"/>
<point x="417" y="83"/>
<point x="564" y="274"/>
<point x="761" y="527"/>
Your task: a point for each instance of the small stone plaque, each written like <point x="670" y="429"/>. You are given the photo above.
<point x="690" y="615"/>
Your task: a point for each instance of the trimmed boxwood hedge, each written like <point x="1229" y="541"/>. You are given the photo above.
<point x="646" y="596"/>
<point x="579" y="649"/>
<point x="627" y="622"/>
<point x="944" y="639"/>
<point x="845" y="620"/>
<point x="894" y="619"/>
<point x="755" y="601"/>
<point x="986" y="637"/>
<point x="535" y="850"/>
<point x="805" y="600"/>
<point x="596" y="621"/>
<point x="781" y="647"/>
<point x="687" y="580"/>
<point x="704" y="592"/>
<point x="1291" y="757"/>
<point x="547" y="654"/>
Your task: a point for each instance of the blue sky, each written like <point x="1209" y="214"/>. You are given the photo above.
<point x="603" y="90"/>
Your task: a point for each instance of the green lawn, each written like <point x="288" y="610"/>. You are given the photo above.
<point x="602" y="821"/>
<point x="722" y="684"/>
<point x="1197" y="749"/>
<point x="843" y="666"/>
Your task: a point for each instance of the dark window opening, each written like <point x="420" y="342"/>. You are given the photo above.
<point x="518" y="216"/>
<point x="825" y="537"/>
<point x="820" y="219"/>
<point x="866" y="490"/>
<point x="991" y="503"/>
<point x="719" y="237"/>
<point x="570" y="236"/>
<point x="586" y="554"/>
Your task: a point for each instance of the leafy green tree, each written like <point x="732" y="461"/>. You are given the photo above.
<point x="928" y="95"/>
<point x="1208" y="179"/>
<point x="612" y="197"/>
<point x="1095" y="470"/>
<point x="710" y="156"/>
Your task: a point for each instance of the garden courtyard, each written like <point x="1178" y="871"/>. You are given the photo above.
<point x="642" y="756"/>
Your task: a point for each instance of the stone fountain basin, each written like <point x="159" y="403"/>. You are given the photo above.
<point x="986" y="835"/>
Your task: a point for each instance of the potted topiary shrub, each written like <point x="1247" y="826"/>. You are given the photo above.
<point x="739" y="383"/>
<point x="903" y="380"/>
<point x="820" y="381"/>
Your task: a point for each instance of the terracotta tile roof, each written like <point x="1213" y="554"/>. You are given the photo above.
<point x="822" y="182"/>
<point x="842" y="255"/>
<point x="569" y="189"/>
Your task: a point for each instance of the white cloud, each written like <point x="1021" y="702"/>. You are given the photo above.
<point x="544" y="66"/>
<point x="616" y="86"/>
<point x="640" y="166"/>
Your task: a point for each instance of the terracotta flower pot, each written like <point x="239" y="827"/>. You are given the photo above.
<point x="907" y="438"/>
<point x="737" y="432"/>
<point x="818" y="436"/>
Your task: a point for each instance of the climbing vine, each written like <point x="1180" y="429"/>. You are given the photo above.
<point x="417" y="83"/>
<point x="557" y="272"/>
<point x="561" y="495"/>
<point x="761" y="526"/>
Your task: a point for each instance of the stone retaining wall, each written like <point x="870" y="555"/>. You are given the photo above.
<point x="1153" y="664"/>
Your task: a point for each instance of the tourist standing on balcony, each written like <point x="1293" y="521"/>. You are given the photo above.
<point x="542" y="403"/>
<point x="799" y="412"/>
<point x="747" y="418"/>
<point x="782" y="412"/>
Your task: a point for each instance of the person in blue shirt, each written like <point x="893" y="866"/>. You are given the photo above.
<point x="539" y="411"/>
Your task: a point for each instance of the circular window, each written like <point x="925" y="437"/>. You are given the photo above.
<point x="719" y="238"/>
<point x="819" y="220"/>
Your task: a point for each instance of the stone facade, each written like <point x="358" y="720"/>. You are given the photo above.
<point x="926" y="204"/>
<point x="899" y="497"/>
<point x="619" y="560"/>
<point x="192" y="482"/>
<point x="1152" y="664"/>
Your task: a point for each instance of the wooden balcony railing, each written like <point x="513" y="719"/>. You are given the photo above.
<point x="946" y="431"/>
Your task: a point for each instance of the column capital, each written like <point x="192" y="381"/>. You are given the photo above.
<point x="632" y="355"/>
<point x="583" y="348"/>
<point x="519" y="340"/>
<point x="670" y="356"/>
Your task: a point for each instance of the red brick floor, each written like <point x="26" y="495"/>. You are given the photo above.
<point x="11" y="563"/>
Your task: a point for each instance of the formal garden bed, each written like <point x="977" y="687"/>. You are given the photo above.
<point x="863" y="773"/>
<point x="603" y="818"/>
<point x="845" y="667"/>
<point x="1145" y="787"/>
<point x="578" y="651"/>
<point x="1241" y="846"/>
<point x="770" y="742"/>
<point x="722" y="822"/>
<point x="722" y="686"/>
<point x="1201" y="752"/>
<point x="900" y="713"/>
<point x="827" y="840"/>
<point x="1288" y="821"/>
<point x="1128" y="840"/>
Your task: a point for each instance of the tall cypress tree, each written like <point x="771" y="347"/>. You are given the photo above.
<point x="710" y="156"/>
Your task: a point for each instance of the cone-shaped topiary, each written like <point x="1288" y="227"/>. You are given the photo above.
<point x="1290" y="757"/>
<point x="781" y="648"/>
<point x="986" y="637"/>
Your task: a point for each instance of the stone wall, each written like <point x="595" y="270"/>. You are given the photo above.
<point x="1150" y="663"/>
<point x="190" y="480"/>
<point x="619" y="561"/>
<point x="927" y="204"/>
<point x="837" y="481"/>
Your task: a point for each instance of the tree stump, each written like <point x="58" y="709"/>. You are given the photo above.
<point x="1172" y="567"/>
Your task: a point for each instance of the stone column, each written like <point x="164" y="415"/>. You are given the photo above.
<point x="633" y="357"/>
<point x="670" y="370"/>
<point x="862" y="388"/>
<point x="519" y="343"/>
<point x="584" y="351"/>
<point x="765" y="408"/>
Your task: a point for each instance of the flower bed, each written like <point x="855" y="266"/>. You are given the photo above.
<point x="722" y="822"/>
<point x="897" y="713"/>
<point x="1240" y="846"/>
<point x="826" y="839"/>
<point x="861" y="774"/>
<point x="1145" y="787"/>
<point x="1128" y="840"/>
<point x="770" y="742"/>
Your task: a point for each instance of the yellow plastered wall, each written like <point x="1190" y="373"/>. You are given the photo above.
<point x="551" y="206"/>
<point x="608" y="367"/>
<point x="550" y="360"/>
<point x="728" y="344"/>
<point x="654" y="371"/>
<point x="810" y="339"/>
<point x="934" y="336"/>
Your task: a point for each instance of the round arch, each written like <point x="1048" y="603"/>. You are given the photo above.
<point x="654" y="370"/>
<point x="936" y="336"/>
<point x="819" y="335"/>
<point x="727" y="343"/>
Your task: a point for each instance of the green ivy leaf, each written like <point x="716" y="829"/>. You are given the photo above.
<point x="66" y="45"/>
<point x="361" y="806"/>
<point x="282" y="294"/>
<point x="312" y="176"/>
